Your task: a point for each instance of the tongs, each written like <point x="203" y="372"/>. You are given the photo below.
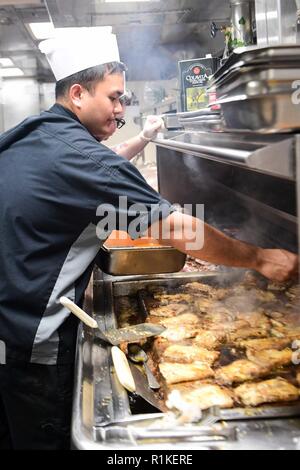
<point x="112" y="336"/>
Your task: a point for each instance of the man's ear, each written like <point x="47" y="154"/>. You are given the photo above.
<point x="75" y="94"/>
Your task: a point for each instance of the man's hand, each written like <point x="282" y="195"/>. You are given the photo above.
<point x="278" y="265"/>
<point x="152" y="126"/>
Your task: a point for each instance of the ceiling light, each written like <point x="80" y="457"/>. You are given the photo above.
<point x="6" y="62"/>
<point x="11" y="72"/>
<point x="42" y="30"/>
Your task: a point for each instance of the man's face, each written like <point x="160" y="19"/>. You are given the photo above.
<point x="100" y="108"/>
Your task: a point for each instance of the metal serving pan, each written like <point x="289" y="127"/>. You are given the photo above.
<point x="262" y="113"/>
<point x="199" y="113"/>
<point x="123" y="261"/>
<point x="265" y="55"/>
<point x="254" y="79"/>
<point x="171" y="121"/>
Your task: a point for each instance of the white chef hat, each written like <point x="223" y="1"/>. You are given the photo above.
<point x="75" y="49"/>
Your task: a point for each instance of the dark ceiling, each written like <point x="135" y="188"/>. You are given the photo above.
<point x="152" y="35"/>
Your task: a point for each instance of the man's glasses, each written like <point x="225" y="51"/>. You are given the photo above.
<point x="120" y="123"/>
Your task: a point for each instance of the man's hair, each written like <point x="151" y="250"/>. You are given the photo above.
<point x="88" y="78"/>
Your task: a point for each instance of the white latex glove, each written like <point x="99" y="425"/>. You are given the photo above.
<point x="152" y="126"/>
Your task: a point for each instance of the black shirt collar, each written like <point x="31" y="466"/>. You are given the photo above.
<point x="59" y="109"/>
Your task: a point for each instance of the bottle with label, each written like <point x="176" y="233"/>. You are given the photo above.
<point x="194" y="76"/>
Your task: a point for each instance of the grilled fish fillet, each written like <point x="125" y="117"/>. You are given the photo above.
<point x="176" y="334"/>
<point x="210" y="339"/>
<point x="181" y="320"/>
<point x="199" y="287"/>
<point x="188" y="354"/>
<point x="269" y="391"/>
<point x="265" y="343"/>
<point x="270" y="357"/>
<point x="175" y="372"/>
<point x="239" y="371"/>
<point x="170" y="310"/>
<point x="165" y="299"/>
<point x="244" y="333"/>
<point x="205" y="395"/>
<point x="255" y="319"/>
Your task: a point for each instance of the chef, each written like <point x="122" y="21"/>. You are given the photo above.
<point x="55" y="175"/>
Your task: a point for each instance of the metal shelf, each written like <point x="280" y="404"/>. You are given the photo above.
<point x="269" y="154"/>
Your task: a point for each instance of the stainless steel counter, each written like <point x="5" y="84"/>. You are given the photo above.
<point x="102" y="417"/>
<point x="261" y="153"/>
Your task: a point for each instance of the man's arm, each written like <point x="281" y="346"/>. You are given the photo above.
<point x="133" y="146"/>
<point x="183" y="231"/>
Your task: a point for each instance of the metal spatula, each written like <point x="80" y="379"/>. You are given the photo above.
<point x="129" y="334"/>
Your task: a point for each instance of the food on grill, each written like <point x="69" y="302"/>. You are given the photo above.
<point x="204" y="395"/>
<point x="165" y="299"/>
<point x="175" y="372"/>
<point x="205" y="290"/>
<point x="218" y="338"/>
<point x="255" y="319"/>
<point x="244" y="333"/>
<point x="270" y="358"/>
<point x="270" y="391"/>
<point x="265" y="343"/>
<point x="210" y="339"/>
<point x="181" y="320"/>
<point x="239" y="371"/>
<point x="168" y="310"/>
<point x="293" y="292"/>
<point x="188" y="354"/>
<point x="176" y="333"/>
<point x="286" y="332"/>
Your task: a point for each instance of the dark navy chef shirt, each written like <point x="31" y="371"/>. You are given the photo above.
<point x="53" y="176"/>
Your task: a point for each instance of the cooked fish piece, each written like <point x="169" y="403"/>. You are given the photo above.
<point x="265" y="343"/>
<point x="270" y="357"/>
<point x="206" y="290"/>
<point x="168" y="310"/>
<point x="245" y="333"/>
<point x="275" y="315"/>
<point x="165" y="299"/>
<point x="199" y="287"/>
<point x="281" y="331"/>
<point x="188" y="354"/>
<point x="202" y="305"/>
<point x="293" y="292"/>
<point x="176" y="334"/>
<point x="217" y="313"/>
<point x="239" y="371"/>
<point x="265" y="296"/>
<point x="231" y="326"/>
<point x="269" y="391"/>
<point x="255" y="319"/>
<point x="210" y="339"/>
<point x="205" y="395"/>
<point x="277" y="286"/>
<point x="174" y="372"/>
<point x="181" y="320"/>
<point x="160" y="345"/>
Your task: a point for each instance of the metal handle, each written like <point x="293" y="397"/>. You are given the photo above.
<point x="239" y="156"/>
<point x="150" y="377"/>
<point x="81" y="314"/>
